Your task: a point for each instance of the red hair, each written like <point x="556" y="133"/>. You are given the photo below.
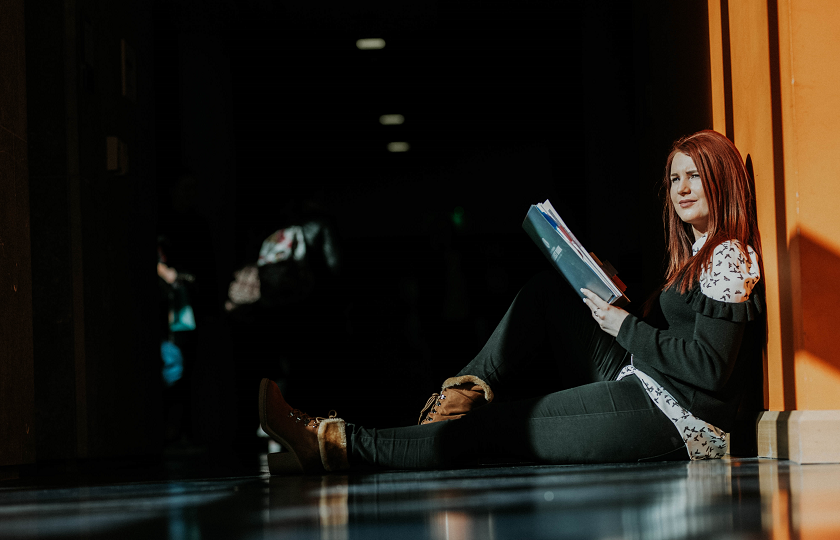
<point x="730" y="194"/>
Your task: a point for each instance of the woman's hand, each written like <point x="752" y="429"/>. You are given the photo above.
<point x="608" y="317"/>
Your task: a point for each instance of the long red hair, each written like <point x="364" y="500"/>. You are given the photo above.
<point x="730" y="194"/>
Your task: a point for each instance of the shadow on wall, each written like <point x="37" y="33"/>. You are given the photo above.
<point x="820" y="270"/>
<point x="820" y="274"/>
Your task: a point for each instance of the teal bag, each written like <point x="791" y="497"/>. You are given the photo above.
<point x="183" y="319"/>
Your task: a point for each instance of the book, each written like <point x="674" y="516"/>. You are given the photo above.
<point x="579" y="267"/>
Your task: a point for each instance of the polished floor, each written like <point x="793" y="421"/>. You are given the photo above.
<point x="726" y="499"/>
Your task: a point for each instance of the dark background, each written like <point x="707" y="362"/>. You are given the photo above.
<point x="264" y="104"/>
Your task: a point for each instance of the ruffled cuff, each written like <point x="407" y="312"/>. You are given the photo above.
<point x="748" y="310"/>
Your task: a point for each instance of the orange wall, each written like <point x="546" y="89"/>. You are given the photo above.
<point x="784" y="112"/>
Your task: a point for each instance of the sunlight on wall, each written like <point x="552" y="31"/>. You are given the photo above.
<point x="777" y="92"/>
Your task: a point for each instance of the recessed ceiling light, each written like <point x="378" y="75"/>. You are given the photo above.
<point x="398" y="147"/>
<point x="370" y="43"/>
<point x="391" y="119"/>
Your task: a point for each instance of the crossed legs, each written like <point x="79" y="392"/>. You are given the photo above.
<point x="546" y="335"/>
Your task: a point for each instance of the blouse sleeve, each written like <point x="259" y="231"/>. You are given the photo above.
<point x="706" y="359"/>
<point x="731" y="275"/>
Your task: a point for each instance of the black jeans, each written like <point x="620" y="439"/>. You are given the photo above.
<point x="547" y="339"/>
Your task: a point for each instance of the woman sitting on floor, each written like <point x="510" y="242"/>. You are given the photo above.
<point x="666" y="387"/>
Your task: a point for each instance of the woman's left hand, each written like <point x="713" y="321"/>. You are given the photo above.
<point x="608" y="317"/>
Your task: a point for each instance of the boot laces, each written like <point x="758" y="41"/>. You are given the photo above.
<point x="428" y="408"/>
<point x="299" y="415"/>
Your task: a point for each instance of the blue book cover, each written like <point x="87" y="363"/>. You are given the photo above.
<point x="568" y="256"/>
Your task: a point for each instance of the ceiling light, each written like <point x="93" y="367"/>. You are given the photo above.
<point x="398" y="147"/>
<point x="370" y="43"/>
<point x="391" y="119"/>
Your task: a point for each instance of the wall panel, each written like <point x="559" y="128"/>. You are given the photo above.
<point x="17" y="433"/>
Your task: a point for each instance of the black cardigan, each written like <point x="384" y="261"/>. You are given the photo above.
<point x="706" y="353"/>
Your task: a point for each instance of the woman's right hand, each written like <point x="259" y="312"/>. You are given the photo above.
<point x="608" y="317"/>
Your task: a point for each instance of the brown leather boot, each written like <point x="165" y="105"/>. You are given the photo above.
<point x="458" y="396"/>
<point x="310" y="445"/>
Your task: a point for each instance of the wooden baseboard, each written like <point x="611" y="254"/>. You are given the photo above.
<point x="800" y="436"/>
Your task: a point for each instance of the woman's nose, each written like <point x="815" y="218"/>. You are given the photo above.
<point x="683" y="186"/>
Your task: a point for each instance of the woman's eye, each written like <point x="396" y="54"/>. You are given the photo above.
<point x="695" y="175"/>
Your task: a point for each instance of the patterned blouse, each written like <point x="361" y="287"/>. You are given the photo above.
<point x="729" y="278"/>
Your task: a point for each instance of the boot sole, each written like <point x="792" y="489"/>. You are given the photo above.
<point x="285" y="462"/>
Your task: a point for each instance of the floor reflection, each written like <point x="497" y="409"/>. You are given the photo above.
<point x="749" y="498"/>
<point x="800" y="501"/>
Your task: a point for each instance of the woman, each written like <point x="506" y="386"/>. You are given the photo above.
<point x="666" y="387"/>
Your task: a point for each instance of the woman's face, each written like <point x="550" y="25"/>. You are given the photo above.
<point x="687" y="194"/>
